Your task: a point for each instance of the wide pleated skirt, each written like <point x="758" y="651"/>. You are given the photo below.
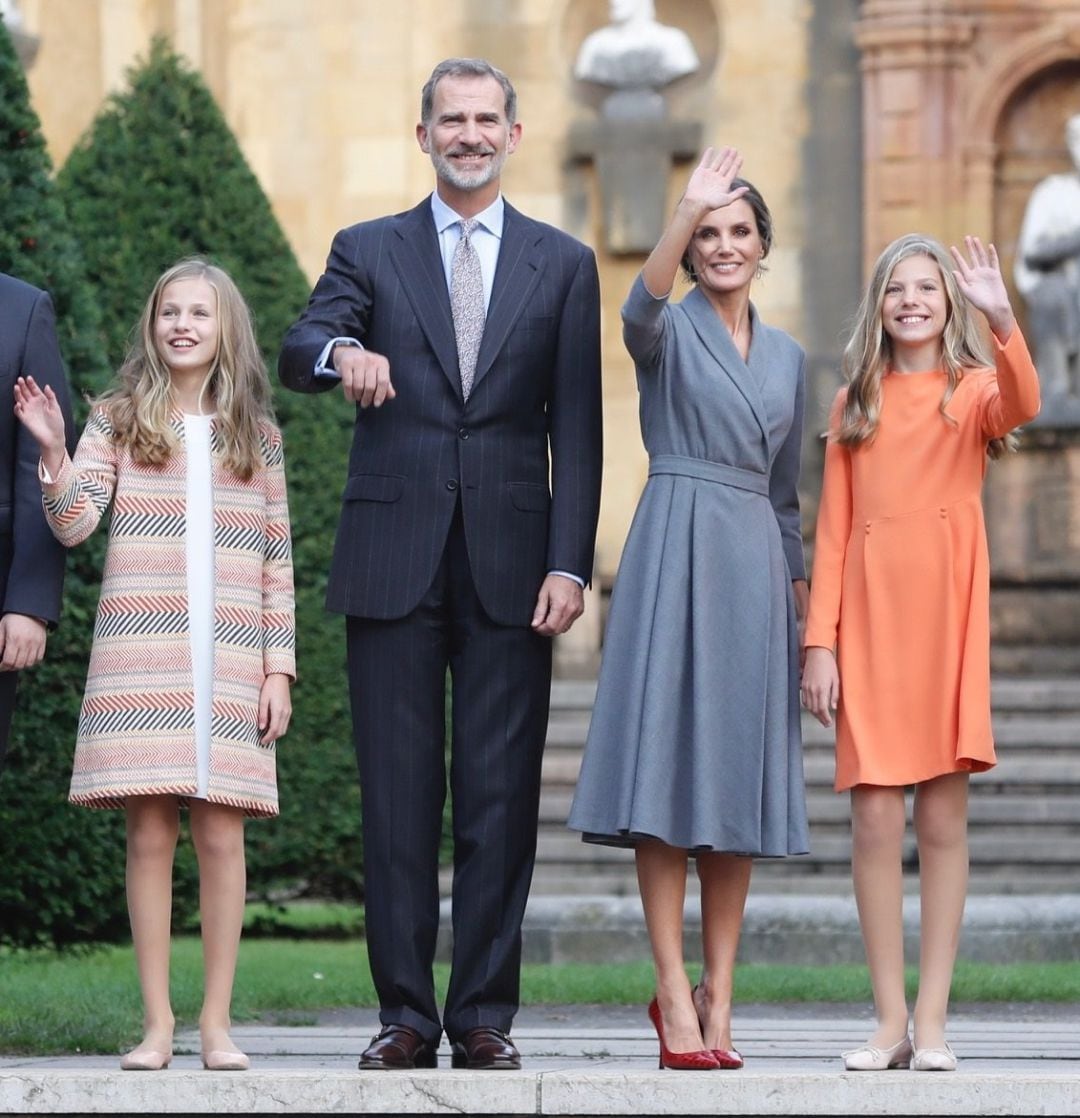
<point x="695" y="736"/>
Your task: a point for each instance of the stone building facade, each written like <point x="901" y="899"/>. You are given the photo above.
<point x="859" y="119"/>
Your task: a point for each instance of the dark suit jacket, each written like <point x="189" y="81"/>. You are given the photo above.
<point x="31" y="560"/>
<point x="537" y="385"/>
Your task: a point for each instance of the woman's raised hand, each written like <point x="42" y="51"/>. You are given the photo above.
<point x="40" y="413"/>
<point x="978" y="275"/>
<point x="710" y="184"/>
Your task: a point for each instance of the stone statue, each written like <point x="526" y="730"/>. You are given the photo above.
<point x="26" y="45"/>
<point x="1047" y="274"/>
<point x="634" y="141"/>
<point x="635" y="50"/>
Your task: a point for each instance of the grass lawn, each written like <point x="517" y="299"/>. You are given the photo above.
<point x="88" y="1001"/>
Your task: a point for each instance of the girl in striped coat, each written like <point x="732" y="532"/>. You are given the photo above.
<point x="193" y="654"/>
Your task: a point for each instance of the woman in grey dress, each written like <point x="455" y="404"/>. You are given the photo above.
<point x="694" y="747"/>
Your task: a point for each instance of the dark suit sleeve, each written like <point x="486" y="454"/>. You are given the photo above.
<point x="576" y="427"/>
<point x="339" y="307"/>
<point x="37" y="566"/>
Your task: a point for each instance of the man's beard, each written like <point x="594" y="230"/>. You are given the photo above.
<point x="463" y="179"/>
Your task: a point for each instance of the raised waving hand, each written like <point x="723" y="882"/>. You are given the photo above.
<point x="39" y="412"/>
<point x="982" y="284"/>
<point x="710" y="183"/>
<point x="708" y="189"/>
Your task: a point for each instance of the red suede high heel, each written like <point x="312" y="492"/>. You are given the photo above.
<point x="679" y="1061"/>
<point x="726" y="1058"/>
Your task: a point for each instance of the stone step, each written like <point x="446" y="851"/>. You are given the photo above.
<point x="1049" y="845"/>
<point x="1007" y="693"/>
<point x="599" y="1060"/>
<point x="1024" y="814"/>
<point x="1024" y="730"/>
<point x="825" y="807"/>
<point x="1012" y="772"/>
<point x="793" y="876"/>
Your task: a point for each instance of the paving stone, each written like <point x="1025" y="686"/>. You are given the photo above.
<point x="586" y="1061"/>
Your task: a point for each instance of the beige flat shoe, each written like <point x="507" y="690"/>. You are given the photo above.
<point x="934" y="1059"/>
<point x="145" y="1059"/>
<point x="871" y="1058"/>
<point x="220" y="1060"/>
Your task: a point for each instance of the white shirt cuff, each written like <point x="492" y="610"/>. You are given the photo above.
<point x="321" y="367"/>
<point x="567" y="574"/>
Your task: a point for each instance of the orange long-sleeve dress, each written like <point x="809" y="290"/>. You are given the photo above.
<point x="901" y="574"/>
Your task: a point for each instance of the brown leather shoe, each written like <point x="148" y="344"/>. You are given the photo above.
<point x="398" y="1048"/>
<point x="484" y="1049"/>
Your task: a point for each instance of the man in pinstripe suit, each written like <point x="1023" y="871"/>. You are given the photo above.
<point x="472" y="351"/>
<point x="31" y="560"/>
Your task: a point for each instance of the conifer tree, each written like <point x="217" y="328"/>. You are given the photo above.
<point x="158" y="177"/>
<point x="61" y="869"/>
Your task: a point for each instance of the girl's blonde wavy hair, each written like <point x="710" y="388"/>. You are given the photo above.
<point x="868" y="354"/>
<point x="140" y="403"/>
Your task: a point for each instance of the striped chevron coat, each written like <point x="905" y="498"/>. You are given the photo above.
<point x="136" y="733"/>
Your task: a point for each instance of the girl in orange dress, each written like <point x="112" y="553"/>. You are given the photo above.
<point x="898" y="634"/>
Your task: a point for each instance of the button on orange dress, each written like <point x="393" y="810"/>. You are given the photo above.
<point x="901" y="574"/>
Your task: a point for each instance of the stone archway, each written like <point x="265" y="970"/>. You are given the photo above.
<point x="937" y="82"/>
<point x="1015" y="132"/>
<point x="963" y="112"/>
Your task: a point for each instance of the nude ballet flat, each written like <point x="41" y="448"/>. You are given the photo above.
<point x="934" y="1059"/>
<point x="145" y="1060"/>
<point x="872" y="1058"/>
<point x="219" y="1060"/>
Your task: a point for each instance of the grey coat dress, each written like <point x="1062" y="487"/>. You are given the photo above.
<point x="695" y="735"/>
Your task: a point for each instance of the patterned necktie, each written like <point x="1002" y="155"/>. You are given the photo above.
<point x="467" y="303"/>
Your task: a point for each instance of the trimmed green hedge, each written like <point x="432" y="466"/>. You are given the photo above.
<point x="159" y="176"/>
<point x="61" y="870"/>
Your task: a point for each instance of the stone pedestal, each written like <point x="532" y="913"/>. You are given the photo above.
<point x="633" y="145"/>
<point x="1032" y="502"/>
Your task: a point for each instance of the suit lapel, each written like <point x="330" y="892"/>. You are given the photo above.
<point x="713" y="333"/>
<point x="418" y="262"/>
<point x="521" y="263"/>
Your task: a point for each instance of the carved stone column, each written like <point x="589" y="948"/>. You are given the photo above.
<point x="914" y="63"/>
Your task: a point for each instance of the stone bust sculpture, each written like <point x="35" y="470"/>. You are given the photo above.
<point x="1047" y="273"/>
<point x="635" y="50"/>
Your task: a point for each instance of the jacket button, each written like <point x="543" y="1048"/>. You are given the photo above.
<point x="463" y="433"/>
<point x="452" y="486"/>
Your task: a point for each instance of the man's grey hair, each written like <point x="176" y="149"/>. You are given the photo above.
<point x="465" y="68"/>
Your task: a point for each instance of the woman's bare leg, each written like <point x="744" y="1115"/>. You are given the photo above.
<point x="661" y="871"/>
<point x="725" y="881"/>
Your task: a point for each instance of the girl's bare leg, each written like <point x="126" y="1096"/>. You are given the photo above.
<point x="877" y="829"/>
<point x="153" y="824"/>
<point x="941" y="831"/>
<point x="218" y="834"/>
